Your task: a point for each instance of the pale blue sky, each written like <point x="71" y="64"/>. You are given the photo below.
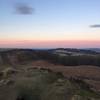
<point x="51" y="20"/>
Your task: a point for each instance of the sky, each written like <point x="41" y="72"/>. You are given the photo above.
<point x="51" y="24"/>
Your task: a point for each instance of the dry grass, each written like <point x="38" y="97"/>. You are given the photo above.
<point x="92" y="73"/>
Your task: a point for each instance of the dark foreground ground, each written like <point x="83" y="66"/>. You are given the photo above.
<point x="43" y="84"/>
<point x="27" y="75"/>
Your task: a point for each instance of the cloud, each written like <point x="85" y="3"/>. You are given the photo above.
<point x="24" y="9"/>
<point x="95" y="26"/>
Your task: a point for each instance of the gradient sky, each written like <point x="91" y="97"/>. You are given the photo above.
<point x="54" y="23"/>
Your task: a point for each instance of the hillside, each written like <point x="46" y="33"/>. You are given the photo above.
<point x="68" y="57"/>
<point x="43" y="84"/>
<point x="27" y="74"/>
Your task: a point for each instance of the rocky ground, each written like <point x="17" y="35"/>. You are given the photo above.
<point x="34" y="83"/>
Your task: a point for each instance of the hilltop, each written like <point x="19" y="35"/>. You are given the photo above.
<point x="27" y="74"/>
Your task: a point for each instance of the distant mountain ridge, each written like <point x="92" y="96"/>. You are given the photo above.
<point x="66" y="56"/>
<point x="95" y="49"/>
<point x="74" y="50"/>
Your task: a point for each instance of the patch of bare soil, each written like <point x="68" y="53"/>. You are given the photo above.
<point x="90" y="73"/>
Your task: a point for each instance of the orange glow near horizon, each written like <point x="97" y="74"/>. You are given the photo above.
<point x="49" y="43"/>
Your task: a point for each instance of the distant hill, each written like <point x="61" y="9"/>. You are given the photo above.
<point x="74" y="52"/>
<point x="95" y="49"/>
<point x="64" y="56"/>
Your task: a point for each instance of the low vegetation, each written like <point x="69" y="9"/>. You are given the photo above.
<point x="52" y="86"/>
<point x="39" y="83"/>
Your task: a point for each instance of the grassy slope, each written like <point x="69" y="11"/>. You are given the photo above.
<point x="41" y="84"/>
